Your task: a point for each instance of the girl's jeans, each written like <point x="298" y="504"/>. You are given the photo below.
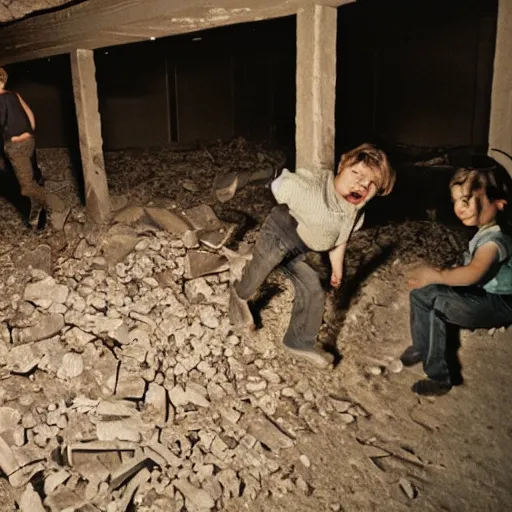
<point x="279" y="244"/>
<point x="433" y="306"/>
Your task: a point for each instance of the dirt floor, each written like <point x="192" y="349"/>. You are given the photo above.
<point x="358" y="438"/>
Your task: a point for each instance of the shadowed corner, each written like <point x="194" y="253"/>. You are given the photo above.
<point x="342" y="300"/>
<point x="262" y="301"/>
<point x="451" y="354"/>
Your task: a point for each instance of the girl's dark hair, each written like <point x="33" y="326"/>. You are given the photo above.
<point x="497" y="183"/>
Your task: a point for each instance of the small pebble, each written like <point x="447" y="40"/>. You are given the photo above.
<point x="305" y="461"/>
<point x="346" y="418"/>
<point x="395" y="366"/>
<point x="407" y="487"/>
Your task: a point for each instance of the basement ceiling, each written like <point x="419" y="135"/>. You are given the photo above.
<point x="12" y="10"/>
<point x="95" y="24"/>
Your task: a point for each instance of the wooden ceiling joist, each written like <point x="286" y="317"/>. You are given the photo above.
<point x="99" y="23"/>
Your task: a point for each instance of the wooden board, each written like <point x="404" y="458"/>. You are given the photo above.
<point x="98" y="23"/>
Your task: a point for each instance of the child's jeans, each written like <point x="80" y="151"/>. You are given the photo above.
<point x="279" y="244"/>
<point x="22" y="158"/>
<point x="433" y="306"/>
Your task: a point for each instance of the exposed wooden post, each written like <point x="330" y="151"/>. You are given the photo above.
<point x="500" y="129"/>
<point x="316" y="84"/>
<point x="89" y="129"/>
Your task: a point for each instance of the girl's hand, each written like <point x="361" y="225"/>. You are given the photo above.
<point x="336" y="280"/>
<point x="424" y="275"/>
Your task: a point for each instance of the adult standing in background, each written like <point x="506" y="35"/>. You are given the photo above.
<point x="17" y="124"/>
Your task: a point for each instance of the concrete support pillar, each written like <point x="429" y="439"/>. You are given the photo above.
<point x="89" y="130"/>
<point x="500" y="129"/>
<point x="316" y="84"/>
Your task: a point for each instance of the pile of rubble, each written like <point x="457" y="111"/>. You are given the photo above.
<point x="155" y="399"/>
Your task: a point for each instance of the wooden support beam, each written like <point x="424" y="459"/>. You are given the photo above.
<point x="89" y="130"/>
<point x="65" y="30"/>
<point x="500" y="129"/>
<point x="316" y="86"/>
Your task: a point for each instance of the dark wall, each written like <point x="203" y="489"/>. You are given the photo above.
<point x="132" y="94"/>
<point x="412" y="72"/>
<point x="46" y="85"/>
<point x="416" y="72"/>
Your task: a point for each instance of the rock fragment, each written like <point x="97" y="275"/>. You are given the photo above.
<point x="408" y="488"/>
<point x="30" y="501"/>
<point x="267" y="433"/>
<point x="197" y="499"/>
<point x="46" y="327"/>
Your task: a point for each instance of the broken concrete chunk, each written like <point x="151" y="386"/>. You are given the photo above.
<point x="119" y="242"/>
<point x="53" y="480"/>
<point x="46" y="327"/>
<point x="30" y="501"/>
<point x="8" y="462"/>
<point x="128" y="469"/>
<point x="129" y="215"/>
<point x="40" y="258"/>
<point x="5" y="336"/>
<point x="77" y="338"/>
<point x="196" y="498"/>
<point x="9" y="419"/>
<point x="215" y="239"/>
<point x="120" y="334"/>
<point x="408" y="488"/>
<point x="267" y="433"/>
<point x="168" y="221"/>
<point x="22" y="359"/>
<point x="64" y="499"/>
<point x="156" y="403"/>
<point x="23" y="475"/>
<point x="230" y="483"/>
<point x="199" y="264"/>
<point x="190" y="239"/>
<point x="140" y="478"/>
<point x="179" y="396"/>
<point x="128" y="429"/>
<point x="230" y="414"/>
<point x="130" y="385"/>
<point x="237" y="262"/>
<point x="47" y="288"/>
<point x="58" y="218"/>
<point x="116" y="408"/>
<point x="202" y="217"/>
<point x="164" y="452"/>
<point x="72" y="366"/>
<point x="225" y="187"/>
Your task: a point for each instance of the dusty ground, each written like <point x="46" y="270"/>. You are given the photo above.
<point x="369" y="443"/>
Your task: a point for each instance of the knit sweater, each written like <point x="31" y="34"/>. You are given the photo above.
<point x="325" y="220"/>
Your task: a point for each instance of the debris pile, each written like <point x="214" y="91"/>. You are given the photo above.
<point x="161" y="404"/>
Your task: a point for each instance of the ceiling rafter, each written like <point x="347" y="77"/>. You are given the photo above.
<point x="99" y="23"/>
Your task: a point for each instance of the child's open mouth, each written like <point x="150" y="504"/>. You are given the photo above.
<point x="355" y="197"/>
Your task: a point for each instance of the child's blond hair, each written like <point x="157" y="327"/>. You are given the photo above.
<point x="3" y="76"/>
<point x="375" y="159"/>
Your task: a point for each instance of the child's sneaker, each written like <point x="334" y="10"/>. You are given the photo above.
<point x="239" y="313"/>
<point x="411" y="356"/>
<point x="316" y="356"/>
<point x="430" y="387"/>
